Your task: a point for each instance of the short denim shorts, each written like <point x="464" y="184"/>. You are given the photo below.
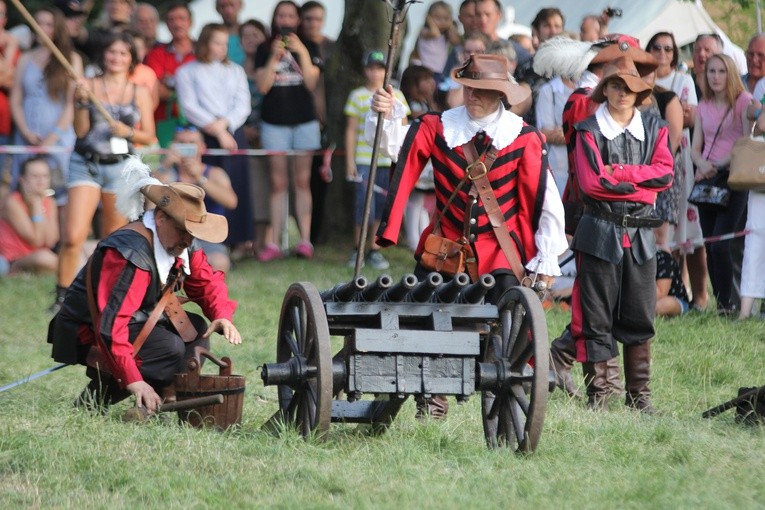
<point x="83" y="172"/>
<point x="300" y="137"/>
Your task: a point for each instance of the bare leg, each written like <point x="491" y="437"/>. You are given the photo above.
<point x="78" y="213"/>
<point x="697" y="274"/>
<point x="747" y="304"/>
<point x="279" y="184"/>
<point x="112" y="220"/>
<point x="39" y="261"/>
<point x="303" y="199"/>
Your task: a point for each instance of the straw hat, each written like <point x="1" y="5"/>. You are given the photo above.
<point x="623" y="68"/>
<point x="490" y="72"/>
<point x="184" y="203"/>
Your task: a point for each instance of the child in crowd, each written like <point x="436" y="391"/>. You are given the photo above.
<point x="359" y="154"/>
<point x="436" y="38"/>
<point x="29" y="222"/>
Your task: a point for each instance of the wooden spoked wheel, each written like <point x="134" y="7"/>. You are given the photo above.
<point x="304" y="334"/>
<point x="513" y="415"/>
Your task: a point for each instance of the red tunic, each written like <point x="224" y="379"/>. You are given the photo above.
<point x="164" y="61"/>
<point x="203" y="286"/>
<point x="578" y="107"/>
<point x="518" y="178"/>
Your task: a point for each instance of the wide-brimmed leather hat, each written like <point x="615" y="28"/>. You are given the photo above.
<point x="184" y="203"/>
<point x="490" y="72"/>
<point x="624" y="69"/>
<point x="614" y="46"/>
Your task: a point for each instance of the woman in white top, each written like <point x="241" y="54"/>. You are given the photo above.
<point x="215" y="97"/>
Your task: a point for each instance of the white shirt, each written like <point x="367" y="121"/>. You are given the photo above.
<point x="550" y="237"/>
<point x="214" y="90"/>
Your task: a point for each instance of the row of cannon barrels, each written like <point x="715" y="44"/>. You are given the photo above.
<point x="433" y="289"/>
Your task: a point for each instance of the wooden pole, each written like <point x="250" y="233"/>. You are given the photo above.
<point x="59" y="56"/>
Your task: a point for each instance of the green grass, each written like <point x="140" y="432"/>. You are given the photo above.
<point x="52" y="456"/>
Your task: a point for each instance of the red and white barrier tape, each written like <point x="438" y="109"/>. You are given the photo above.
<point x="53" y="149"/>
<point x="695" y="243"/>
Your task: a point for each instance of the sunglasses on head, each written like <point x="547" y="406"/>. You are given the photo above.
<point x="658" y="47"/>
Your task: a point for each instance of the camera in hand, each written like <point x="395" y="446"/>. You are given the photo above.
<point x="185" y="150"/>
<point x="285" y="31"/>
<point x="613" y="13"/>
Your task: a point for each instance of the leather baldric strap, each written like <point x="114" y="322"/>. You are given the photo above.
<point x="477" y="171"/>
<point x="168" y="301"/>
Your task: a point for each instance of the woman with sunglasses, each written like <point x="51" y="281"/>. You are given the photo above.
<point x="664" y="48"/>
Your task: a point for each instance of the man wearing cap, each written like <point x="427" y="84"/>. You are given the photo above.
<point x="622" y="160"/>
<point x="121" y="286"/>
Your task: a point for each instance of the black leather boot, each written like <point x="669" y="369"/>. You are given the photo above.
<point x="637" y="374"/>
<point x="595" y="378"/>
<point x="562" y="359"/>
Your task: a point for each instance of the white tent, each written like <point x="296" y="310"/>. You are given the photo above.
<point x="685" y="19"/>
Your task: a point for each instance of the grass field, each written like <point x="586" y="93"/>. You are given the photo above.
<point x="52" y="456"/>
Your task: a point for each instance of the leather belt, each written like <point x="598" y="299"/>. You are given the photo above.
<point x="99" y="159"/>
<point x="624" y="220"/>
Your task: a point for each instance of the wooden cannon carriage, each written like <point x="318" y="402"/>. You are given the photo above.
<point x="412" y="338"/>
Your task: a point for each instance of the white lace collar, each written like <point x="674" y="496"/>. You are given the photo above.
<point x="163" y="259"/>
<point x="502" y="127"/>
<point x="611" y="129"/>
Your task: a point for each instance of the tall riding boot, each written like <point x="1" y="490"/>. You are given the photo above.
<point x="637" y="374"/>
<point x="563" y="357"/>
<point x="614" y="378"/>
<point x="595" y="377"/>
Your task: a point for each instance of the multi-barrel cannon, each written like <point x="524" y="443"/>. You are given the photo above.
<point x="419" y="338"/>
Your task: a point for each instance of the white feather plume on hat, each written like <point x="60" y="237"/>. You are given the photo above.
<point x="130" y="200"/>
<point x="562" y="56"/>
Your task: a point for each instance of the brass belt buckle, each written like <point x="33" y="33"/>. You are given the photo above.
<point x="472" y="165"/>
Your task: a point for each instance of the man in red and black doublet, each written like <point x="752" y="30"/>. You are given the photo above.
<point x="128" y="287"/>
<point x="518" y="178"/>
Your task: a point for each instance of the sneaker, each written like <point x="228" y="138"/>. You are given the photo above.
<point x="304" y="250"/>
<point x="352" y="260"/>
<point x="376" y="260"/>
<point x="269" y="253"/>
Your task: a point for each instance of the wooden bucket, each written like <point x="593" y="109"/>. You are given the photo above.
<point x="195" y="384"/>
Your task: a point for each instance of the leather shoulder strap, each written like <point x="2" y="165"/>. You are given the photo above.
<point x="477" y="172"/>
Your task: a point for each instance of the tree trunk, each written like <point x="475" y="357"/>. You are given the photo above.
<point x="366" y="26"/>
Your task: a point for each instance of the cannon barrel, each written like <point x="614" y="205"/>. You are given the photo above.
<point x="450" y="291"/>
<point x="475" y="292"/>
<point x="374" y="291"/>
<point x="399" y="291"/>
<point x="424" y="290"/>
<point x="345" y="292"/>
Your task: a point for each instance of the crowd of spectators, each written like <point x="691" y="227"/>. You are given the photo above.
<point x="250" y="84"/>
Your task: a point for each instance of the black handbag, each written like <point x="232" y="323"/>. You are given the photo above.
<point x="712" y="193"/>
